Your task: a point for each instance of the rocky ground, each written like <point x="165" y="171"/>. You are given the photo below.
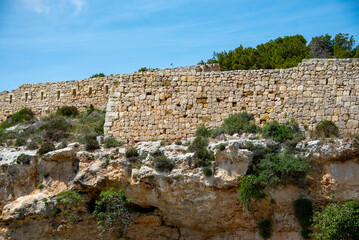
<point x="181" y="204"/>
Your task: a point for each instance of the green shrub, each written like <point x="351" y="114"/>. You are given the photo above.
<point x="326" y="129"/>
<point x="138" y="166"/>
<point x="133" y="152"/>
<point x="96" y="75"/>
<point x="221" y="146"/>
<point x="306" y="233"/>
<point x="178" y="143"/>
<point x="32" y="145"/>
<point x="238" y="123"/>
<point x="91" y="142"/>
<point x="202" y="157"/>
<point x="250" y="146"/>
<point x="162" y="163"/>
<point x="40" y="186"/>
<point x="24" y="115"/>
<point x="279" y="168"/>
<point x="198" y="143"/>
<point x="203" y="131"/>
<point x="111" y="142"/>
<point x="281" y="132"/>
<point x="45" y="148"/>
<point x="55" y="129"/>
<point x="337" y="221"/>
<point x="111" y="211"/>
<point x="23" y="159"/>
<point x="71" y="202"/>
<point x="46" y="174"/>
<point x="20" y="142"/>
<point x="88" y="123"/>
<point x="249" y="188"/>
<point x="265" y="228"/>
<point x="303" y="210"/>
<point x="207" y="171"/>
<point x="67" y="111"/>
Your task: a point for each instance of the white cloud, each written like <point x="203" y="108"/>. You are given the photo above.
<point x="79" y="5"/>
<point x="38" y="6"/>
<point x="47" y="6"/>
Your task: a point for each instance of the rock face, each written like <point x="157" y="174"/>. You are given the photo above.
<point x="181" y="204"/>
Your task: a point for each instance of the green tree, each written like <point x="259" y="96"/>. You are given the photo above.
<point x="321" y="46"/>
<point x="343" y="44"/>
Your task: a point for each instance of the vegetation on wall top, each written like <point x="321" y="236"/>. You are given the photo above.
<point x="286" y="52"/>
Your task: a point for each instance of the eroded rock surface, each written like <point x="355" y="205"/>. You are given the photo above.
<point x="180" y="204"/>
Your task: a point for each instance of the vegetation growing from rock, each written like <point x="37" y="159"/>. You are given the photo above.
<point x="162" y="164"/>
<point x="265" y="228"/>
<point x="22" y="116"/>
<point x="111" y="211"/>
<point x="303" y="210"/>
<point x="326" y="129"/>
<point x="67" y="111"/>
<point x="198" y="143"/>
<point x="23" y="159"/>
<point x="45" y="148"/>
<point x="202" y="157"/>
<point x="111" y="142"/>
<point x="133" y="152"/>
<point x="272" y="169"/>
<point x="207" y="171"/>
<point x="238" y="123"/>
<point x="281" y="132"/>
<point x="337" y="221"/>
<point x="71" y="203"/>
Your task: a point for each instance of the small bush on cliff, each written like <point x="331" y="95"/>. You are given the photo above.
<point x="326" y="129"/>
<point x="67" y="111"/>
<point x="221" y="146"/>
<point x="162" y="163"/>
<point x="280" y="168"/>
<point x="265" y="228"/>
<point x="91" y="142"/>
<point x="250" y="187"/>
<point x="111" y="142"/>
<point x="24" y="115"/>
<point x="238" y="123"/>
<point x="337" y="221"/>
<point x="203" y="131"/>
<point x="45" y="148"/>
<point x="303" y="210"/>
<point x="71" y="203"/>
<point x="207" y="171"/>
<point x="198" y="143"/>
<point x="23" y="159"/>
<point x="281" y="132"/>
<point x="20" y="142"/>
<point x="133" y="152"/>
<point x="55" y="129"/>
<point x="111" y="211"/>
<point x="202" y="157"/>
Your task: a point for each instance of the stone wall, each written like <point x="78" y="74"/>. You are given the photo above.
<point x="44" y="98"/>
<point x="172" y="103"/>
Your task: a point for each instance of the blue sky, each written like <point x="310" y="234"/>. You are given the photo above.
<point x="58" y="40"/>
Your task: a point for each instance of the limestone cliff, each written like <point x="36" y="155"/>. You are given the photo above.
<point x="181" y="204"/>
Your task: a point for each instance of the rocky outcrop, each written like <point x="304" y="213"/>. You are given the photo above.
<point x="181" y="204"/>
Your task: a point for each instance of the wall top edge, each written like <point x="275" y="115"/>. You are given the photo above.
<point x="206" y="68"/>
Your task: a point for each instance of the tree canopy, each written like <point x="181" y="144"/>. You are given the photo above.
<point x="285" y="52"/>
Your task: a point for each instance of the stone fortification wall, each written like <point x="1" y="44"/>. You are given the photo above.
<point x="172" y="103"/>
<point x="44" y="98"/>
